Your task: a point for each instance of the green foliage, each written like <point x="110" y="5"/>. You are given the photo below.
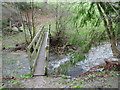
<point x="103" y="72"/>
<point x="63" y="68"/>
<point x="77" y="79"/>
<point x="114" y="74"/>
<point x="74" y="39"/>
<point x="29" y="75"/>
<point x="90" y="75"/>
<point x="17" y="83"/>
<point x="85" y="13"/>
<point x="60" y="83"/>
<point x="85" y="38"/>
<point x="76" y="57"/>
<point x="0" y="37"/>
<point x="3" y="88"/>
<point x="4" y="23"/>
<point x="23" y="5"/>
<point x="77" y="86"/>
<point x="114" y="68"/>
<point x="65" y="77"/>
<point x="70" y="81"/>
<point x="84" y="16"/>
<point x="14" y="82"/>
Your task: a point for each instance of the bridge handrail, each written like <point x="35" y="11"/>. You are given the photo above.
<point x="36" y="48"/>
<point x="35" y="45"/>
<point x="35" y="37"/>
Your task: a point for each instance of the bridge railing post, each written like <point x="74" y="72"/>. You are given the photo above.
<point x="34" y="48"/>
<point x="47" y="49"/>
<point x="49" y="28"/>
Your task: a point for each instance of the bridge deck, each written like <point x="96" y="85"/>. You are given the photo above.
<point x="41" y="62"/>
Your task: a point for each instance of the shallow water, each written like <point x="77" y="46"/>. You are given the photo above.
<point x="95" y="56"/>
<point x="55" y="61"/>
<point x="15" y="63"/>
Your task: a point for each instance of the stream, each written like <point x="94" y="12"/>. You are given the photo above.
<point x="95" y="56"/>
<point x="16" y="63"/>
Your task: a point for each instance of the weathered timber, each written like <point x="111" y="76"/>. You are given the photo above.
<point x="41" y="62"/>
<point x="38" y="52"/>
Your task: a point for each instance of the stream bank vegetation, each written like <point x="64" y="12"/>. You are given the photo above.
<point x="87" y="25"/>
<point x="75" y="28"/>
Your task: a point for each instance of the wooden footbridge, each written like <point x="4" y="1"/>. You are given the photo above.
<point x="38" y="52"/>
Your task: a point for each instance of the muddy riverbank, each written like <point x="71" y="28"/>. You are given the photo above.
<point x="15" y="63"/>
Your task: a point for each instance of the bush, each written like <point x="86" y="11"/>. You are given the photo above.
<point x="5" y="23"/>
<point x="77" y="86"/>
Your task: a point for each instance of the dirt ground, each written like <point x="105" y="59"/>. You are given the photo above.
<point x="42" y="82"/>
<point x="98" y="80"/>
<point x="103" y="79"/>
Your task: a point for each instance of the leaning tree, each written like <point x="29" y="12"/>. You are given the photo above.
<point x="97" y="13"/>
<point x="109" y="13"/>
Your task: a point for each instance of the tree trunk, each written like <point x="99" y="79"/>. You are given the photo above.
<point x="33" y="20"/>
<point x="45" y="6"/>
<point x="109" y="30"/>
<point x="115" y="51"/>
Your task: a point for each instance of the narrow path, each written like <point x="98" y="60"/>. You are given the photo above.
<point x="42" y="82"/>
<point x="107" y="79"/>
<point x="41" y="63"/>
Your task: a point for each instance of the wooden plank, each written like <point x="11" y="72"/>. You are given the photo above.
<point x="36" y="58"/>
<point x="37" y="35"/>
<point x="47" y="54"/>
<point x="30" y="55"/>
<point x="38" y="43"/>
<point x="41" y="62"/>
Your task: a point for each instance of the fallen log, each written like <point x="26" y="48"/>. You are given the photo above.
<point x="108" y="63"/>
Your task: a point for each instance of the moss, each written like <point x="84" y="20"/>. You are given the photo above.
<point x="65" y="77"/>
<point x="77" y="86"/>
<point x="29" y="75"/>
<point x="3" y="88"/>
